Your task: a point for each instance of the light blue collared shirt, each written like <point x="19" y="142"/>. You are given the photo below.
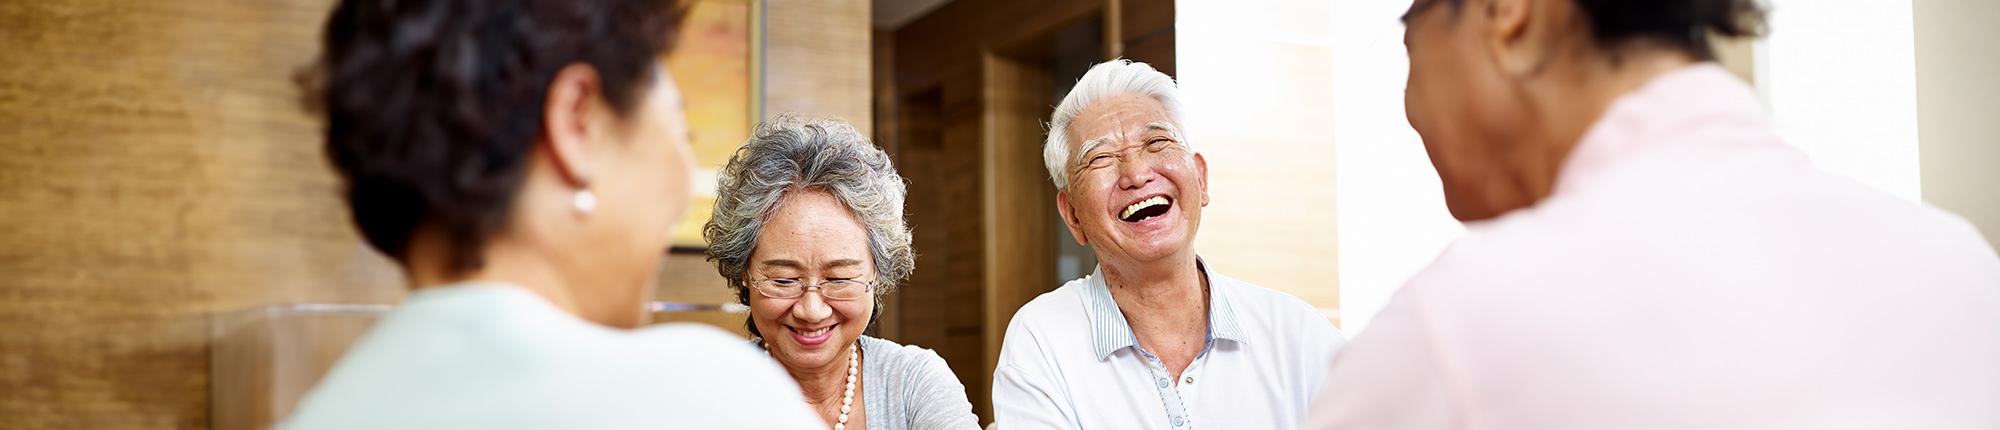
<point x="1263" y="360"/>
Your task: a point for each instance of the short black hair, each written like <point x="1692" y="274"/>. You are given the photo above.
<point x="433" y="106"/>
<point x="1682" y="24"/>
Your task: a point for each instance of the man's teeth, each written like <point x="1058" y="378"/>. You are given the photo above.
<point x="1142" y="204"/>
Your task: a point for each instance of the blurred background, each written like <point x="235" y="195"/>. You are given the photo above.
<point x="174" y="254"/>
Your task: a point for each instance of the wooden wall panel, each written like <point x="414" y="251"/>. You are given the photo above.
<point x="938" y="149"/>
<point x="816" y="59"/>
<point x="156" y="168"/>
<point x="950" y="41"/>
<point x="689" y="278"/>
<point x="1018" y="197"/>
<point x="1147" y="29"/>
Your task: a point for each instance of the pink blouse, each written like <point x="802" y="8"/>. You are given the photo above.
<point x="1690" y="270"/>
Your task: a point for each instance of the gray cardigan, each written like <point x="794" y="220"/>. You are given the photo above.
<point x="911" y="388"/>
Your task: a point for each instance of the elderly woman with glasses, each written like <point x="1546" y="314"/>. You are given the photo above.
<point x="808" y="229"/>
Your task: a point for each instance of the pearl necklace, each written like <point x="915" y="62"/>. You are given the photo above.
<point x="847" y="399"/>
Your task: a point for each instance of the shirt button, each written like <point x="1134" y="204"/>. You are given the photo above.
<point x="1188" y="380"/>
<point x="1178" y="421"/>
<point x="1163" y="383"/>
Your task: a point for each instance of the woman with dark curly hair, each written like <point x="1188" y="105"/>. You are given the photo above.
<point x="525" y="162"/>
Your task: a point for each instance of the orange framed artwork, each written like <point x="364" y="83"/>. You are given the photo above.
<point x="717" y="66"/>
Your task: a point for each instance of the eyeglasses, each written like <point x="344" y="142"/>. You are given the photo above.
<point x="832" y="289"/>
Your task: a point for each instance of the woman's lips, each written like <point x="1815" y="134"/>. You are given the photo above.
<point x="817" y="336"/>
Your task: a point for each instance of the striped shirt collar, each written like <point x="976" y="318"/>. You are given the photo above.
<point x="1110" y="331"/>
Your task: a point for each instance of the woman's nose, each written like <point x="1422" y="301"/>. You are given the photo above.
<point x="811" y="307"/>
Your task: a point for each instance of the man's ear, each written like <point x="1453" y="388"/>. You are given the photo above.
<point x="574" y="96"/>
<point x="1510" y="30"/>
<point x="1069" y="218"/>
<point x="1201" y="170"/>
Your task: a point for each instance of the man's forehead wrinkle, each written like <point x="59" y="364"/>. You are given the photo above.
<point x="1111" y="130"/>
<point x="1164" y="126"/>
<point x="1089" y="145"/>
<point x="1117" y="120"/>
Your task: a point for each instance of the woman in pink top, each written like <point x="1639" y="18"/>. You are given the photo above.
<point x="1643" y="251"/>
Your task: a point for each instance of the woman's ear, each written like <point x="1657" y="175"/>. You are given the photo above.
<point x="574" y="96"/>
<point x="1510" y="27"/>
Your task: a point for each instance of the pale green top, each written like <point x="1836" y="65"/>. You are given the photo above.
<point x="494" y="356"/>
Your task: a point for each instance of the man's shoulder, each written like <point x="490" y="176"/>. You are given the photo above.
<point x="1055" y="319"/>
<point x="1062" y="306"/>
<point x="1248" y="297"/>
<point x="1274" y="310"/>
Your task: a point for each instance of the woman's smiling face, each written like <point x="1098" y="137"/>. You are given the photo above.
<point x="811" y="237"/>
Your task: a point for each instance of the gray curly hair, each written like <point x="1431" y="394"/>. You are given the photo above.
<point x="793" y="153"/>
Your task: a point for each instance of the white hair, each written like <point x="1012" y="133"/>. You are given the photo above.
<point x="1105" y="80"/>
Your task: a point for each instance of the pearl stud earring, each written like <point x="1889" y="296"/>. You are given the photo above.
<point x="584" y="201"/>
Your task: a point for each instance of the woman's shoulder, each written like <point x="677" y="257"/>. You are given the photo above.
<point x="924" y="393"/>
<point x="890" y="349"/>
<point x="910" y="360"/>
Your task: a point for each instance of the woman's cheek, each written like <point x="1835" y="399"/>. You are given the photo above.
<point x="859" y="312"/>
<point x="763" y="313"/>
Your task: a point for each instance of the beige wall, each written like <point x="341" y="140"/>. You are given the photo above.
<point x="816" y="60"/>
<point x="156" y="169"/>
<point x="1958" y="108"/>
<point x="1255" y="77"/>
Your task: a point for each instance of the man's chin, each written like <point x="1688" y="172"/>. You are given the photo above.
<point x="1150" y="249"/>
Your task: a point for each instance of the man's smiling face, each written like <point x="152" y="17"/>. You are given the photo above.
<point x="1135" y="188"/>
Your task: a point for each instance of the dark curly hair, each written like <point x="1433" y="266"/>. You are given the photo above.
<point x="1681" y="24"/>
<point x="432" y="107"/>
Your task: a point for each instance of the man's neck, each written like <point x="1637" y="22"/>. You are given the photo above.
<point x="1171" y="287"/>
<point x="1166" y="305"/>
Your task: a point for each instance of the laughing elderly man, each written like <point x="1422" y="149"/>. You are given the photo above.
<point x="1155" y="338"/>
